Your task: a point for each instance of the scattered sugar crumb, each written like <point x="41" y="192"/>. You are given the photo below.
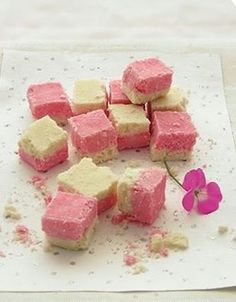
<point x="11" y="212"/>
<point x="176" y="241"/>
<point x="156" y="243"/>
<point x="38" y="181"/>
<point x="222" y="229"/>
<point x="130" y="260"/>
<point x="118" y="218"/>
<point x="234" y="238"/>
<point x="161" y="242"/>
<point x="134" y="163"/>
<point x="22" y="234"/>
<point x="139" y="269"/>
<point x="174" y="171"/>
<point x="40" y="184"/>
<point x="2" y="254"/>
<point x="48" y="198"/>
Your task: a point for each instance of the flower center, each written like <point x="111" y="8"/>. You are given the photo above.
<point x="201" y="194"/>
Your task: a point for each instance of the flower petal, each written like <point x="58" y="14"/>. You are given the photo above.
<point x="201" y="178"/>
<point x="209" y="198"/>
<point x="214" y="192"/>
<point x="188" y="200"/>
<point x="190" y="180"/>
<point x="207" y="206"/>
<point x="194" y="179"/>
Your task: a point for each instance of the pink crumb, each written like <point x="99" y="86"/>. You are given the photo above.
<point x="117" y="219"/>
<point x="158" y="231"/>
<point x="129" y="260"/>
<point x="38" y="181"/>
<point x="23" y="233"/>
<point x="2" y="254"/>
<point x="164" y="252"/>
<point x="48" y="198"/>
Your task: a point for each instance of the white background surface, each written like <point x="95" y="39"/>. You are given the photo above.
<point x="200" y="75"/>
<point x="174" y="26"/>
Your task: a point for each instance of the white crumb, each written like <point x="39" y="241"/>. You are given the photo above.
<point x="222" y="229"/>
<point x="156" y="243"/>
<point x="176" y="241"/>
<point x="139" y="269"/>
<point x="10" y="211"/>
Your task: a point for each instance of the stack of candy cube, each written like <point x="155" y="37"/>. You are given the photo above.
<point x="142" y="109"/>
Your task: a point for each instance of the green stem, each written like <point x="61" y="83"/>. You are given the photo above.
<point x="171" y="175"/>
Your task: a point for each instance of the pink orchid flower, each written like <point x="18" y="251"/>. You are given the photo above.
<point x="207" y="196"/>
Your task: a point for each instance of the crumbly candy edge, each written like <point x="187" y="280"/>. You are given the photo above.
<point x="137" y="97"/>
<point x="74" y="245"/>
<point x="103" y="155"/>
<point x="124" y="187"/>
<point x="161" y="154"/>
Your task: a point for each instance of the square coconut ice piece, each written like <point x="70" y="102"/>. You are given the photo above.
<point x="131" y="124"/>
<point x="43" y="144"/>
<point x="89" y="95"/>
<point x="49" y="99"/>
<point x="69" y="220"/>
<point x="94" y="136"/>
<point x="90" y="180"/>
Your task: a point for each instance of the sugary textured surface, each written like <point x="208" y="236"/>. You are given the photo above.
<point x="132" y="141"/>
<point x="172" y="132"/>
<point x="102" y="156"/>
<point x="159" y="155"/>
<point x="139" y="98"/>
<point x="49" y="99"/>
<point x="146" y="77"/>
<point x="89" y="95"/>
<point x="124" y="186"/>
<point x="43" y="138"/>
<point x="116" y="95"/>
<point x="74" y="245"/>
<point x="92" y="133"/>
<point x="69" y="216"/>
<point x="43" y="165"/>
<point x="131" y="124"/>
<point x="174" y="100"/>
<point x="107" y="202"/>
<point x="141" y="193"/>
<point x="128" y="119"/>
<point x="88" y="179"/>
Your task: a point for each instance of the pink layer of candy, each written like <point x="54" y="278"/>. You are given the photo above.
<point x="173" y="131"/>
<point x="69" y="215"/>
<point x="45" y="164"/>
<point x="147" y="76"/>
<point x="103" y="204"/>
<point x="92" y="132"/>
<point x="48" y="99"/>
<point x="134" y="141"/>
<point x="106" y="203"/>
<point x="148" y="195"/>
<point x="116" y="95"/>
